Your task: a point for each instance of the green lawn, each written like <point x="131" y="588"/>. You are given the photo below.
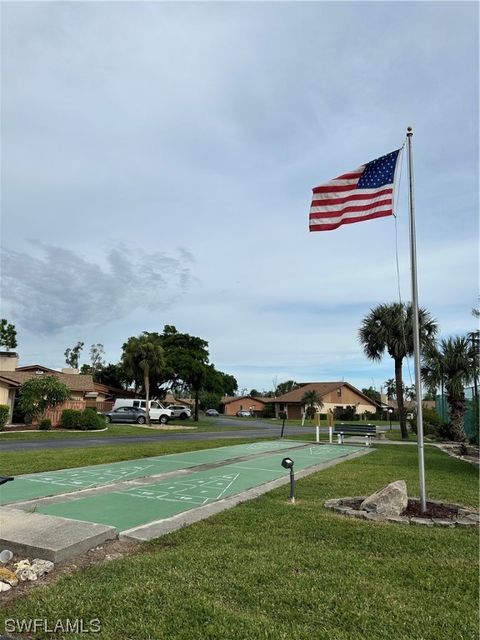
<point x="115" y="430"/>
<point x="19" y="462"/>
<point x="271" y="570"/>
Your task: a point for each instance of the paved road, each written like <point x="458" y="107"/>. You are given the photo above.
<point x="259" y="430"/>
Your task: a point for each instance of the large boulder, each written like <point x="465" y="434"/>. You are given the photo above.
<point x="392" y="500"/>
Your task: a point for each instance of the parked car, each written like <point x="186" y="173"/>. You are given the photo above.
<point x="180" y="411"/>
<point x="126" y="414"/>
<point x="211" y="412"/>
<point x="156" y="409"/>
<point x="244" y="414"/>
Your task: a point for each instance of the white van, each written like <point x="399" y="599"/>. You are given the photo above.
<point x="156" y="409"/>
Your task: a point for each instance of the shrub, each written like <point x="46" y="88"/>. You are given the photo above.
<point x="45" y="424"/>
<point x="70" y="419"/>
<point x="86" y="420"/>
<point x="90" y="420"/>
<point x="433" y="425"/>
<point x="348" y="414"/>
<point x="4" y="411"/>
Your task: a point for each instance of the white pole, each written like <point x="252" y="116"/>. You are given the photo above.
<point x="317" y="430"/>
<point x="416" y="330"/>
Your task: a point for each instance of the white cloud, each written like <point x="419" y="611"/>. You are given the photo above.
<point x="204" y="126"/>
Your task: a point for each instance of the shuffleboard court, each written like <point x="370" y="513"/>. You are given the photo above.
<point x="41" y="485"/>
<point x="132" y="507"/>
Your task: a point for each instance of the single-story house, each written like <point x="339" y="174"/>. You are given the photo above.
<point x="83" y="390"/>
<point x="334" y="397"/>
<point x="232" y="404"/>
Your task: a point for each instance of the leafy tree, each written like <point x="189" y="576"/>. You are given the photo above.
<point x="255" y="394"/>
<point x="452" y="364"/>
<point x="219" y="382"/>
<point x="96" y="356"/>
<point x="8" y="335"/>
<point x="285" y="387"/>
<point x="372" y="393"/>
<point x="142" y="358"/>
<point x="312" y="399"/>
<point x="37" y="395"/>
<point x="186" y="360"/>
<point x="112" y="375"/>
<point x="389" y="328"/>
<point x="72" y="356"/>
<point x="210" y="401"/>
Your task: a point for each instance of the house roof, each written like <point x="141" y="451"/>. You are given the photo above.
<point x="229" y="399"/>
<point x="36" y="367"/>
<point x="322" y="388"/>
<point x="9" y="380"/>
<point x="107" y="389"/>
<point x="411" y="404"/>
<point x="75" y="382"/>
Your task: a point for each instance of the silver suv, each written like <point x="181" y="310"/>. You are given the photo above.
<point x="180" y="411"/>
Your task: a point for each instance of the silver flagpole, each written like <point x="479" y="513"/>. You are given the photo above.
<point x="416" y="330"/>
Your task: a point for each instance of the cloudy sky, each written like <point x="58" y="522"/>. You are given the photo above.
<point x="157" y="166"/>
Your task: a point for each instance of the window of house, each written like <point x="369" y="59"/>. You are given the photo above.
<point x="339" y="392"/>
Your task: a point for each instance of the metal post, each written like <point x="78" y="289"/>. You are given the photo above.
<point x="416" y="330"/>
<point x="292" y="486"/>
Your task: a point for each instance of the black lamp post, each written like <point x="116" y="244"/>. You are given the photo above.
<point x="287" y="463"/>
<point x="390" y="411"/>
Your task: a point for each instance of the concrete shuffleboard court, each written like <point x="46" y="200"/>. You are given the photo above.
<point x="39" y="485"/>
<point x="135" y="506"/>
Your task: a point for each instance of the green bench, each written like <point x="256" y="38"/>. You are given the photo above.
<point x="343" y="429"/>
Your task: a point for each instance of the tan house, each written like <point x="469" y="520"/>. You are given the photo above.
<point x="232" y="404"/>
<point x="334" y="396"/>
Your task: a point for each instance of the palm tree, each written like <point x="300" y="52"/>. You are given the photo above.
<point x="390" y="388"/>
<point x="452" y="364"/>
<point x="311" y="399"/>
<point x="389" y="328"/>
<point x="143" y="358"/>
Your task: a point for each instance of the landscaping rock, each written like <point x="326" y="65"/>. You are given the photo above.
<point x="32" y="571"/>
<point x="463" y="522"/>
<point x="422" y="522"/>
<point x="389" y="501"/>
<point x="4" y="586"/>
<point x="8" y="576"/>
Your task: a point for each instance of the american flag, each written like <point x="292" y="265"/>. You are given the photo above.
<point x="363" y="194"/>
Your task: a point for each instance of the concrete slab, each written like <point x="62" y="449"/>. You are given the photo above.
<point x="49" y="537"/>
<point x="137" y="506"/>
<point x="51" y="483"/>
<point x="167" y="525"/>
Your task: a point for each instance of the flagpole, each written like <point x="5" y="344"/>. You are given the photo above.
<point x="416" y="330"/>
